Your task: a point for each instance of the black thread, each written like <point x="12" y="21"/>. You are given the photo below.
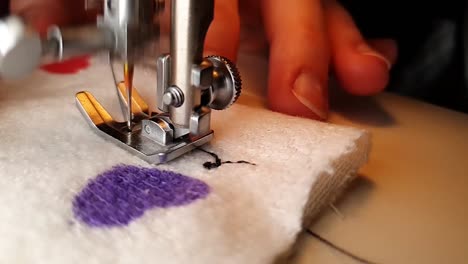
<point x="218" y="162"/>
<point x="341" y="250"/>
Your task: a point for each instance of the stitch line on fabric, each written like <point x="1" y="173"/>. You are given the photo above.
<point x="218" y="162"/>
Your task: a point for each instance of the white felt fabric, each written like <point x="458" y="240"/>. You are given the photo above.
<point x="48" y="153"/>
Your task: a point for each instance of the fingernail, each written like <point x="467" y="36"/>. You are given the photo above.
<point x="366" y="50"/>
<point x="309" y="91"/>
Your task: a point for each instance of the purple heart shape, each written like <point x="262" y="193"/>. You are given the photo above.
<point x="122" y="194"/>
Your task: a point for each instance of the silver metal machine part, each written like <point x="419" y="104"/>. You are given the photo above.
<point x="226" y="83"/>
<point x="68" y="42"/>
<point x="190" y="20"/>
<point x="173" y="97"/>
<point x="150" y="139"/>
<point x="188" y="86"/>
<point x="163" y="79"/>
<point x="131" y="22"/>
<point x="20" y="49"/>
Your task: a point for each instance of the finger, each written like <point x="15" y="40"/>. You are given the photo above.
<point x="223" y="35"/>
<point x="42" y="14"/>
<point x="299" y="57"/>
<point x="252" y="38"/>
<point x="387" y="47"/>
<point x="359" y="67"/>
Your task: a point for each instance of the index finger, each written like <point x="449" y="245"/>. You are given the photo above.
<point x="299" y="57"/>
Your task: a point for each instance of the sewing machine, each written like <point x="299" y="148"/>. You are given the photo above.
<point x="188" y="86"/>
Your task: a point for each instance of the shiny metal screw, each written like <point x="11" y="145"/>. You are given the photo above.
<point x="173" y="97"/>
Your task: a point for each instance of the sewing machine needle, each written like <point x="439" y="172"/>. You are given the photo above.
<point x="128" y="77"/>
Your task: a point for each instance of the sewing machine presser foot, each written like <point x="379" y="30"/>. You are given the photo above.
<point x="153" y="138"/>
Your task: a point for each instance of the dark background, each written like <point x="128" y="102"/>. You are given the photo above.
<point x="4" y="7"/>
<point x="432" y="38"/>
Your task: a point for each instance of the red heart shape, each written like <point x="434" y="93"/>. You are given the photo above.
<point x="69" y="66"/>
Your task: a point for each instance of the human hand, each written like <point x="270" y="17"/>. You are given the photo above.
<point x="307" y="39"/>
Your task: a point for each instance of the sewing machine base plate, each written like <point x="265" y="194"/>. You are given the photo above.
<point x="134" y="142"/>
